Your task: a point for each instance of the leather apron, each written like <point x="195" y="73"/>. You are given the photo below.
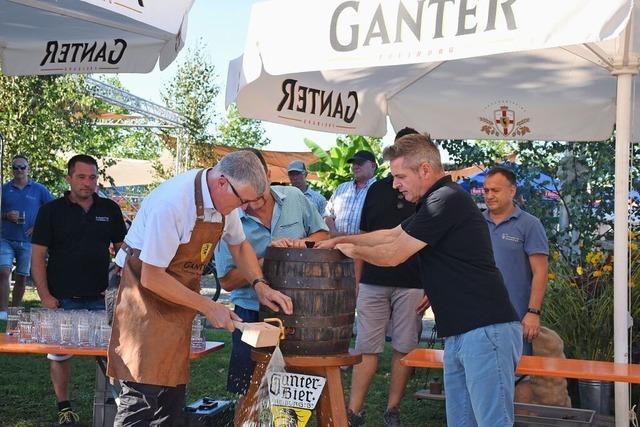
<point x="151" y="337"/>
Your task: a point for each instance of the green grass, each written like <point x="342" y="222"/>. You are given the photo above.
<point x="27" y="399"/>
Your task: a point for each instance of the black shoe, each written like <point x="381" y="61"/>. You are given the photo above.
<point x="391" y="418"/>
<point x="355" y="420"/>
<point x="67" y="417"/>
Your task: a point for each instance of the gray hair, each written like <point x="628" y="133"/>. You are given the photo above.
<point x="415" y="149"/>
<point x="245" y="168"/>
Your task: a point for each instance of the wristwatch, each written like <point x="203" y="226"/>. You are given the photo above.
<point x="534" y="311"/>
<point x="259" y="280"/>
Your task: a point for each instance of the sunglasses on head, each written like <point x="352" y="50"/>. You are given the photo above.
<point x="18" y="167"/>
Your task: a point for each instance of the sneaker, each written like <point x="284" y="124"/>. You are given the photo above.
<point x="391" y="418"/>
<point x="67" y="417"/>
<point x="355" y="420"/>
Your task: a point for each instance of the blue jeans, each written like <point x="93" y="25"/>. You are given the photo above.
<point x="20" y="251"/>
<point x="479" y="375"/>
<point x="240" y="364"/>
<point x="85" y="303"/>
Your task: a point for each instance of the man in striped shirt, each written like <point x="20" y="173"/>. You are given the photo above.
<point x="343" y="211"/>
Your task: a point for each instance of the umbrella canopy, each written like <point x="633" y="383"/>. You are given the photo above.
<point x="90" y="36"/>
<point x="489" y="69"/>
<point x="565" y="92"/>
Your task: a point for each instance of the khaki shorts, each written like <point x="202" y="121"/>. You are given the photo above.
<point x="378" y="306"/>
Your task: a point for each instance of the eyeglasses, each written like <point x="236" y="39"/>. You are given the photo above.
<point x="18" y="167"/>
<point x="235" y="192"/>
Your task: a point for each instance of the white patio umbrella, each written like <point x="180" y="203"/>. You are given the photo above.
<point x="90" y="36"/>
<point x="501" y="69"/>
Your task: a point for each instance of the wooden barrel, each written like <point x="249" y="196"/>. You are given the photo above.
<point x="321" y="284"/>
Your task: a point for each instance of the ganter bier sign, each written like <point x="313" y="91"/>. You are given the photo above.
<point x="293" y="396"/>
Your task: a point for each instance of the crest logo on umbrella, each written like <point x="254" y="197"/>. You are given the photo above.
<point x="505" y="122"/>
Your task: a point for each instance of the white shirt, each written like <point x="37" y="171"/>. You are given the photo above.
<point x="167" y="217"/>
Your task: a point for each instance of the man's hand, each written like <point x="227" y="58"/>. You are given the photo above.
<point x="273" y="299"/>
<point x="12" y="216"/>
<point x="221" y="317"/>
<point x="530" y="326"/>
<point x="326" y="244"/>
<point x="346" y="248"/>
<point x="49" y="301"/>
<point x="424" y="304"/>
<point x="288" y="243"/>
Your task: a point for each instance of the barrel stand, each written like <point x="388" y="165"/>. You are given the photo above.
<point x="330" y="411"/>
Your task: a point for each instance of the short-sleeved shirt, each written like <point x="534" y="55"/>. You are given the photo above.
<point x="78" y="244"/>
<point x="345" y="206"/>
<point x="384" y="208"/>
<point x="27" y="200"/>
<point x="316" y="199"/>
<point x="458" y="271"/>
<point x="514" y="240"/>
<point x="167" y="216"/>
<point x="294" y="217"/>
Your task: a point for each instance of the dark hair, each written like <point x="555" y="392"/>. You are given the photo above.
<point x="20" y="156"/>
<point x="82" y="158"/>
<point x="258" y="153"/>
<point x="405" y="131"/>
<point x="507" y="173"/>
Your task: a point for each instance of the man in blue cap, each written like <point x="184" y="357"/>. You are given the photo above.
<point x="298" y="177"/>
<point x="344" y="208"/>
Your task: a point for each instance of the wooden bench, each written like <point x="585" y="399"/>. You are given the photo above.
<point x="543" y="366"/>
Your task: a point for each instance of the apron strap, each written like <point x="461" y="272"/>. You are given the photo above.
<point x="198" y="191"/>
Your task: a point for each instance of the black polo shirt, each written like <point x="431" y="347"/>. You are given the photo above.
<point x="459" y="273"/>
<point x="386" y="208"/>
<point x="78" y="244"/>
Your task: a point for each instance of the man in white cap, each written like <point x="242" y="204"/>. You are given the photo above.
<point x="298" y="177"/>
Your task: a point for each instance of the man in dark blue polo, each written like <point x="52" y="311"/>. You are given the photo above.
<point x="75" y="231"/>
<point x="521" y="250"/>
<point x="21" y="199"/>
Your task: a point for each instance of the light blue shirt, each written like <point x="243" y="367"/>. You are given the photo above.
<point x="294" y="217"/>
<point x="513" y="241"/>
<point x="345" y="206"/>
<point x="316" y="198"/>
<point x="27" y="200"/>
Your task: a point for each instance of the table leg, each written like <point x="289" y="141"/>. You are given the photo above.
<point x="331" y="410"/>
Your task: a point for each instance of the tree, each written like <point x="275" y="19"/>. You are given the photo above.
<point x="586" y="171"/>
<point x="48" y="117"/>
<point x="333" y="169"/>
<point x="237" y="131"/>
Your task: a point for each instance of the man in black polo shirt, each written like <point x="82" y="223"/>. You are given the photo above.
<point x="483" y="337"/>
<point x="75" y="231"/>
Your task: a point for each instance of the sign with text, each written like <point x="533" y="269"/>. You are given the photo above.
<point x="293" y="396"/>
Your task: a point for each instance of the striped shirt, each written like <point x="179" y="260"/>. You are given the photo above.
<point x="345" y="206"/>
<point x="316" y="199"/>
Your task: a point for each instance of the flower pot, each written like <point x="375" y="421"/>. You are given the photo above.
<point x="595" y="395"/>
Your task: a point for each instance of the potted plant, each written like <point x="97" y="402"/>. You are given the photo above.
<point x="579" y="307"/>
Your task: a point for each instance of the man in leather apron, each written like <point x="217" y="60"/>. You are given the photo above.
<point x="170" y="241"/>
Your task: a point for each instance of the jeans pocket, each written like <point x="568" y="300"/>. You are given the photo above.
<point x="491" y="333"/>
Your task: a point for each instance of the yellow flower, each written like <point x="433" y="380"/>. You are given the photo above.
<point x="632" y="284"/>
<point x="607" y="268"/>
<point x="555" y="255"/>
<point x="633" y="246"/>
<point x="579" y="270"/>
<point x="552" y="276"/>
<point x="597" y="273"/>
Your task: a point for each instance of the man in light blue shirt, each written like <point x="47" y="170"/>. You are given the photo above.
<point x="21" y="200"/>
<point x="298" y="177"/>
<point x="521" y="252"/>
<point x="283" y="217"/>
<point x="344" y="209"/>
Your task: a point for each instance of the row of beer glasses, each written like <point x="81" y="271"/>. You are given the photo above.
<point x="82" y="328"/>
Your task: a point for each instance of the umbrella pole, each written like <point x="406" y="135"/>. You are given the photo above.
<point x="621" y="322"/>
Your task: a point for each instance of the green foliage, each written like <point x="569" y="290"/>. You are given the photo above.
<point x="237" y="131"/>
<point x="333" y="169"/>
<point x="47" y="118"/>
<point x="586" y="171"/>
